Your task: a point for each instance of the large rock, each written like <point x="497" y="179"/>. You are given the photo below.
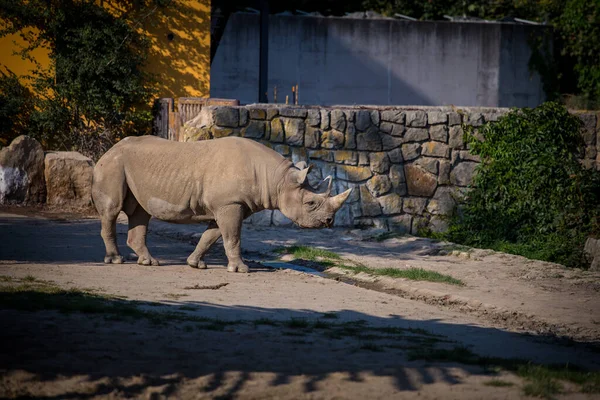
<point x="592" y="251"/>
<point x="420" y="181"/>
<point x="463" y="173"/>
<point x="22" y="172"/>
<point x="69" y="178"/>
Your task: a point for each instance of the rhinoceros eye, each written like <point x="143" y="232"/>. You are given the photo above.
<point x="311" y="204"/>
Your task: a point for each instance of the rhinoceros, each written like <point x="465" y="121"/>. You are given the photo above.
<point x="220" y="182"/>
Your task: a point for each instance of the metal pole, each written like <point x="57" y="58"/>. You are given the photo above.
<point x="263" y="63"/>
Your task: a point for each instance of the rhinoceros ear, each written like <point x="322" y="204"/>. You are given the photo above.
<point x="338" y="201"/>
<point x="301" y="165"/>
<point x="301" y="176"/>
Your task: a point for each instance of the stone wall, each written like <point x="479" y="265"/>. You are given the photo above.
<point x="407" y="165"/>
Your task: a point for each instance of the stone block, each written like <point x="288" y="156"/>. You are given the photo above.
<point x="390" y="204"/>
<point x="463" y="173"/>
<point x="429" y="164"/>
<point x="369" y="205"/>
<point x="420" y="182"/>
<point x="294" y="129"/>
<point x="589" y="128"/>
<point x="277" y="133"/>
<point x="454" y="118"/>
<point x="243" y="116"/>
<point x="228" y="117"/>
<point x="299" y="154"/>
<point x="411" y="151"/>
<point x="218" y="132"/>
<point x="369" y="140"/>
<point x="261" y="218"/>
<point x="436" y="149"/>
<point x="389" y="142"/>
<point x="363" y="120"/>
<point x="338" y="120"/>
<point x="325" y="120"/>
<point x="395" y="116"/>
<point x="324" y="155"/>
<point x="416" y="135"/>
<point x="475" y="119"/>
<point x="293" y="112"/>
<point x="400" y="223"/>
<point x="375" y="117"/>
<point x="255" y="130"/>
<point x="272" y="112"/>
<point x="22" y="172"/>
<point x="465" y="155"/>
<point x="379" y="185"/>
<point x="312" y="137"/>
<point x="282" y="149"/>
<point x="350" y="115"/>
<point x="68" y="179"/>
<point x="393" y="129"/>
<point x="345" y="157"/>
<point x="439" y="133"/>
<point x="443" y="202"/>
<point x="395" y="156"/>
<point x="417" y="119"/>
<point x="444" y="172"/>
<point x="332" y="139"/>
<point x="397" y="174"/>
<point x="278" y="219"/>
<point x="353" y="173"/>
<point x="414" y="205"/>
<point x="379" y="163"/>
<point x="350" y="137"/>
<point x="344" y="217"/>
<point x="363" y="158"/>
<point x="438" y="224"/>
<point x="456" y="137"/>
<point x="313" y="118"/>
<point x="592" y="251"/>
<point x="437" y="117"/>
<point x="258" y="113"/>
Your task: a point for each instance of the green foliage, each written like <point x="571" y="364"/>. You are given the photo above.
<point x="96" y="88"/>
<point x="16" y="106"/>
<point x="531" y="195"/>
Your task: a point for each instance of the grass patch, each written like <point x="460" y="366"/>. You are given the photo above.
<point x="371" y="347"/>
<point x="414" y="274"/>
<point x="329" y="259"/>
<point x="29" y="278"/>
<point x="297" y="323"/>
<point x="542" y="380"/>
<point x="309" y="253"/>
<point x="264" y="321"/>
<point x="498" y="383"/>
<point x="330" y="315"/>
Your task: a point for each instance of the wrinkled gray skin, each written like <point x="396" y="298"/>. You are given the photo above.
<point x="220" y="181"/>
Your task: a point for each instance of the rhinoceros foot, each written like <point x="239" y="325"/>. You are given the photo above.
<point x="240" y="267"/>
<point x="143" y="260"/>
<point x="199" y="264"/>
<point x="114" y="259"/>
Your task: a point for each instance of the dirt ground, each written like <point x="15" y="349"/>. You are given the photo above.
<point x="265" y="340"/>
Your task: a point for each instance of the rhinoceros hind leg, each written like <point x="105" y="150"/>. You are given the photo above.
<point x="208" y="238"/>
<point x="136" y="237"/>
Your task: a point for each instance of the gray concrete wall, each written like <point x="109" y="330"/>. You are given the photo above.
<point x="379" y="62"/>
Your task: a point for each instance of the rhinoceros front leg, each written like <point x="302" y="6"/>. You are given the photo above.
<point x="136" y="237"/>
<point x="229" y="219"/>
<point x="208" y="238"/>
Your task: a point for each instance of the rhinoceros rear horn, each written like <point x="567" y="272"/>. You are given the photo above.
<point x="338" y="201"/>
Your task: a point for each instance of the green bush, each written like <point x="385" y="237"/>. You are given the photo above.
<point x="96" y="90"/>
<point x="16" y="106"/>
<point x="530" y="196"/>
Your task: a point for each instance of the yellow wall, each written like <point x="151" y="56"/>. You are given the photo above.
<point x="182" y="65"/>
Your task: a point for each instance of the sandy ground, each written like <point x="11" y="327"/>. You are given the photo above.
<point x="52" y="355"/>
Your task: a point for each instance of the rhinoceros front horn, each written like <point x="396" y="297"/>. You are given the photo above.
<point x="338" y="201"/>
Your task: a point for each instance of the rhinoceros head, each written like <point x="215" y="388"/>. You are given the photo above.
<point x="307" y="206"/>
